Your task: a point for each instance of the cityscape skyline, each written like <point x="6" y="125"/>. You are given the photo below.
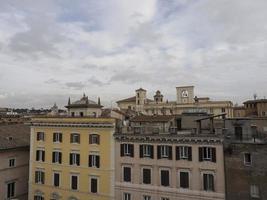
<point x="51" y="50"/>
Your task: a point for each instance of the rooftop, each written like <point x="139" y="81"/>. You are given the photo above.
<point x="153" y="118"/>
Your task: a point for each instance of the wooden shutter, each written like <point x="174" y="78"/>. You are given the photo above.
<point x="205" y="182"/>
<point x="152" y="151"/>
<point x="54" y="137"/>
<point x="131" y="148"/>
<point x="127" y="174"/>
<point x="90" y="139"/>
<point x="184" y="180"/>
<point x="97" y="161"/>
<point x="146" y="176"/>
<point x="53" y="157"/>
<point x="71" y="159"/>
<point x="78" y="138"/>
<point x="178" y="153"/>
<point x="141" y="151"/>
<point x="43" y="156"/>
<point x="78" y="159"/>
<point x="98" y="139"/>
<point x="90" y="160"/>
<point x="170" y="152"/>
<point x="37" y="155"/>
<point x="60" y="137"/>
<point x="122" y="150"/>
<point x="43" y="177"/>
<point x="200" y="154"/>
<point x="36" y="176"/>
<point x="213" y="155"/>
<point x="158" y="152"/>
<point x="71" y="138"/>
<point x="190" y="153"/>
<point x="94" y="185"/>
<point x="165" y="179"/>
<point x="60" y="157"/>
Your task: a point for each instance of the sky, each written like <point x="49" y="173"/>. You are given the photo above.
<point x="51" y="50"/>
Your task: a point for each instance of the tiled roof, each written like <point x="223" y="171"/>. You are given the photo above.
<point x="131" y="99"/>
<point x="14" y="136"/>
<point x="152" y="118"/>
<point x="256" y="101"/>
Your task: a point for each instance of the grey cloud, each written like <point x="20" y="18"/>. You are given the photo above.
<point x="52" y="81"/>
<point x="75" y="85"/>
<point x="94" y="81"/>
<point x="93" y="67"/>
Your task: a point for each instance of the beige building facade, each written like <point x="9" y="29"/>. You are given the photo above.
<point x="186" y="101"/>
<point x="155" y="161"/>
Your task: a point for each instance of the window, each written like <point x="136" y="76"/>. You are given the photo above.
<point x="81" y="114"/>
<point x="127" y="174"/>
<point x="165" y="151"/>
<point x="94" y="185"/>
<point x="146" y="197"/>
<point x="94" y="161"/>
<point x="94" y="139"/>
<point x="184" y="179"/>
<point x="208" y="182"/>
<point x="146" y="176"/>
<point x="146" y="151"/>
<point x="11" y="187"/>
<point x="57" y="137"/>
<point x="56" y="179"/>
<point x="247" y="159"/>
<point x="40" y="155"/>
<point x="238" y="133"/>
<point x="184" y="153"/>
<point x="254" y="191"/>
<point x="223" y="110"/>
<point x="40" y="136"/>
<point x="38" y="197"/>
<point x="75" y="159"/>
<point x="72" y="114"/>
<point x="39" y="177"/>
<point x="74" y="182"/>
<point x="207" y="154"/>
<point x="12" y="162"/>
<point x="164" y="198"/>
<point x="75" y="138"/>
<point x="56" y="157"/>
<point x="126" y="196"/>
<point x="127" y="150"/>
<point x="165" y="177"/>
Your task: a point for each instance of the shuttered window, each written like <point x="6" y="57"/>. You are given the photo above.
<point x="146" y="151"/>
<point x="94" y="185"/>
<point x="184" y="153"/>
<point x="75" y="159"/>
<point x="127" y="150"/>
<point x="75" y="138"/>
<point x="94" y="161"/>
<point x="165" y="177"/>
<point x="94" y="139"/>
<point x="56" y="157"/>
<point x="208" y="182"/>
<point x="39" y="177"/>
<point x="146" y="176"/>
<point x="207" y="154"/>
<point x="74" y="182"/>
<point x="127" y="174"/>
<point x="164" y="151"/>
<point x="184" y="179"/>
<point x="56" y="179"/>
<point x="40" y="155"/>
<point x="57" y="137"/>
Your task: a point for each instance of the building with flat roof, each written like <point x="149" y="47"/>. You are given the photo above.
<point x="186" y="101"/>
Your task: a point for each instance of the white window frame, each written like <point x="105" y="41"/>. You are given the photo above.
<point x="183" y="150"/>
<point x="41" y="138"/>
<point x="146" y="197"/>
<point x="126" y="196"/>
<point x="254" y="191"/>
<point x="189" y="178"/>
<point x="97" y="178"/>
<point x="41" y="157"/>
<point x="146" y="150"/>
<point x="164" y="151"/>
<point x="58" y="133"/>
<point x="93" y="161"/>
<point x="75" y="137"/>
<point x="95" y="138"/>
<point x="74" y="158"/>
<point x="38" y="197"/>
<point x="7" y="195"/>
<point x="208" y="152"/>
<point x="247" y="163"/>
<point x="9" y="162"/>
<point x="53" y="178"/>
<point x="126" y="149"/>
<point x="78" y="186"/>
<point x="57" y="156"/>
<point x="39" y="176"/>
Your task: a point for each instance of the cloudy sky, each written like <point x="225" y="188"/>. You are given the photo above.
<point x="53" y="49"/>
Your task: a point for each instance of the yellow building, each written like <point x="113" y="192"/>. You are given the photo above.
<point x="72" y="157"/>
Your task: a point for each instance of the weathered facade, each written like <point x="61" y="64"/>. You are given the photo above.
<point x="245" y="158"/>
<point x="14" y="161"/>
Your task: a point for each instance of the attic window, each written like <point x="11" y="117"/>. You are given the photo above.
<point x="9" y="138"/>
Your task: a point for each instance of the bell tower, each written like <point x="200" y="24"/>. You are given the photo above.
<point x="185" y="94"/>
<point x="140" y="99"/>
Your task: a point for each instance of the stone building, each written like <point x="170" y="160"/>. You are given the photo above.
<point x="186" y="101"/>
<point x="14" y="161"/>
<point x="157" y="161"/>
<point x="245" y="158"/>
<point x="257" y="107"/>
